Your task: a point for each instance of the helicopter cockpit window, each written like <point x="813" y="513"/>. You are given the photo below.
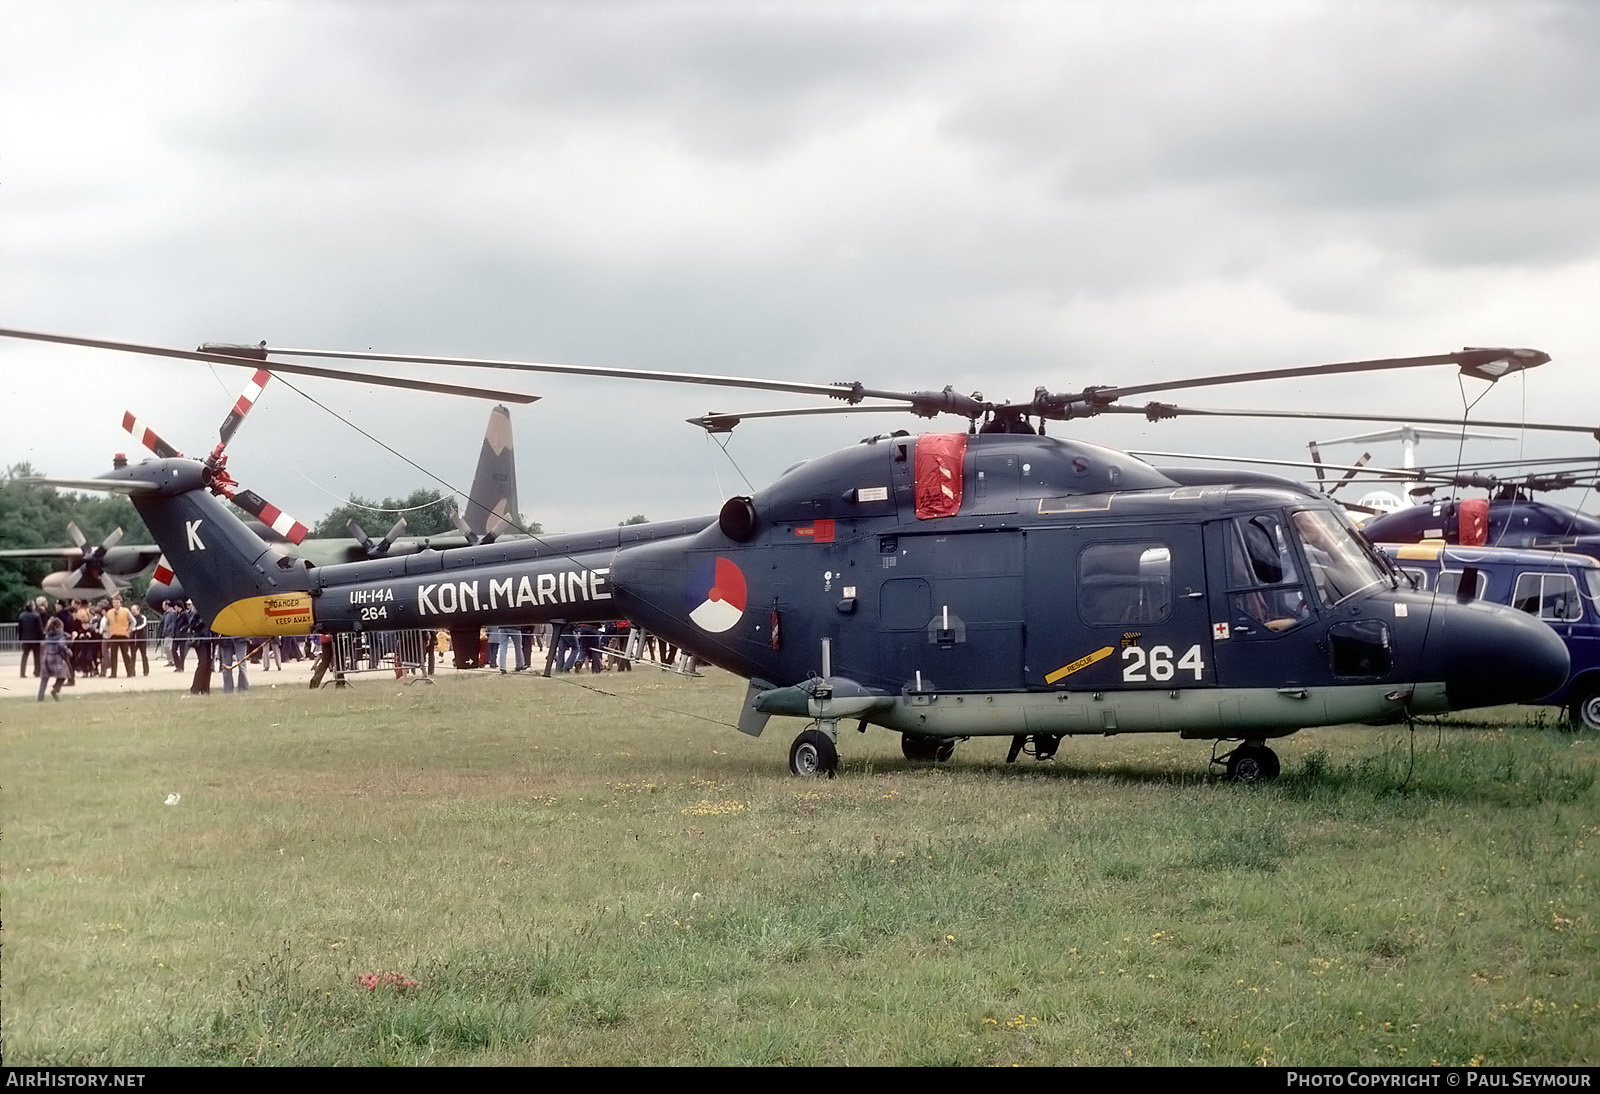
<point x="1340" y="565"/>
<point x="1548" y="596"/>
<point x="1122" y="583"/>
<point x="1265" y="592"/>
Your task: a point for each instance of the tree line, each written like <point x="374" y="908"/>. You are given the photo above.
<point x="37" y="516"/>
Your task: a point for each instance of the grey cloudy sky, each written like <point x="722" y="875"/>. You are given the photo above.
<point x="994" y="196"/>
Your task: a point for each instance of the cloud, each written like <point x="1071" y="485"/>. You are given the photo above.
<point x="988" y="196"/>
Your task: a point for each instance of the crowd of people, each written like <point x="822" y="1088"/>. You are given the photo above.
<point x="597" y="648"/>
<point x="84" y="638"/>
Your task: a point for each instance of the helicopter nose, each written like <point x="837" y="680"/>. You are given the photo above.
<point x="1494" y="655"/>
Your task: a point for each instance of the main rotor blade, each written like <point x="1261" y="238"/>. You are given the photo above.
<point x="718" y="421"/>
<point x="1412" y="433"/>
<point x="1530" y="462"/>
<point x="851" y="391"/>
<point x="1486" y="364"/>
<point x="73" y="553"/>
<point x="109" y="486"/>
<point x="274" y="366"/>
<point x="926" y="404"/>
<point x="1159" y="411"/>
<point x="1420" y="475"/>
<point x="1351" y="470"/>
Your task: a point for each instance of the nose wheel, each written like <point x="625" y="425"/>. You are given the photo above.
<point x="1584" y="708"/>
<point x="1251" y="762"/>
<point x="813" y="753"/>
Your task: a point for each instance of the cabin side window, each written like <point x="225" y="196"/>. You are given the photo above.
<point x="1451" y="582"/>
<point x="1552" y="597"/>
<point x="1121" y="583"/>
<point x="1265" y="593"/>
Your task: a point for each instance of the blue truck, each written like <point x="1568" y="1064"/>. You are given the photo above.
<point x="1559" y="587"/>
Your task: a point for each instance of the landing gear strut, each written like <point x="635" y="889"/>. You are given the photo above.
<point x="1041" y="746"/>
<point x="920" y="749"/>
<point x="813" y="753"/>
<point x="1251" y="762"/>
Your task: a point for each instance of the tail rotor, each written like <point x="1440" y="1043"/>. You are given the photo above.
<point x="217" y="478"/>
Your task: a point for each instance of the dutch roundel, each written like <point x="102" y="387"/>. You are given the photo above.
<point x="715" y="595"/>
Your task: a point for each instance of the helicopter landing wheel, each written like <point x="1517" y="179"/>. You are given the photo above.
<point x="1252" y="762"/>
<point x="813" y="754"/>
<point x="1584" y="710"/>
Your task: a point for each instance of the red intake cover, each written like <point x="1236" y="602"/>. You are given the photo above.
<point x="938" y="471"/>
<point x="1473" y="522"/>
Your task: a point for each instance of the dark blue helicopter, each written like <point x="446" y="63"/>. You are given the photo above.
<point x="994" y="582"/>
<point x="1510" y="519"/>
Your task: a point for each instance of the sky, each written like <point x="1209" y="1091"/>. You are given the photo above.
<point x="995" y="196"/>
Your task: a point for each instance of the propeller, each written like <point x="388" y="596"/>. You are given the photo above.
<point x="472" y="538"/>
<point x="498" y="526"/>
<point x="93" y="566"/>
<point x="381" y="548"/>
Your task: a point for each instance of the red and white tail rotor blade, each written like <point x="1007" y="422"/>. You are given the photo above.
<point x="270" y="515"/>
<point x="242" y="406"/>
<point x="148" y="437"/>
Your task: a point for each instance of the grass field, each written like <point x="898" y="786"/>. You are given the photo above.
<point x="509" y="870"/>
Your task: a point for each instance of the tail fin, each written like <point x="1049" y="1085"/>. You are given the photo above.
<point x="494" y="487"/>
<point x="235" y="580"/>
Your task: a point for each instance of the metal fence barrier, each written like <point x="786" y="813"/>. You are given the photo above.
<point x="404" y="653"/>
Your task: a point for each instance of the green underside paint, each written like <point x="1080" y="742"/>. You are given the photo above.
<point x="1197" y="712"/>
